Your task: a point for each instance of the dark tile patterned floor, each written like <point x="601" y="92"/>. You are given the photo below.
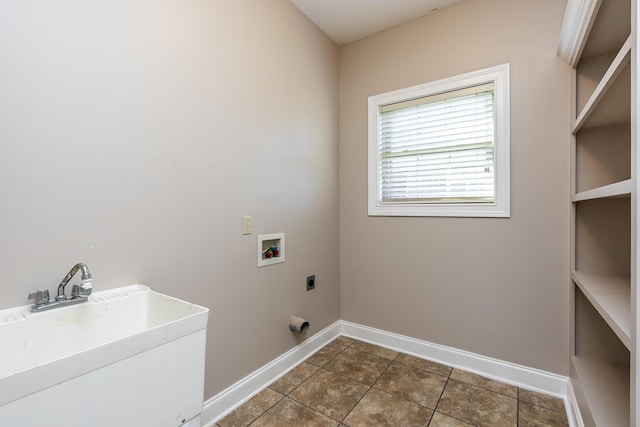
<point x="356" y="384"/>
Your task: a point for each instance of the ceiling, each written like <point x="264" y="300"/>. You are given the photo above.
<point x="345" y="21"/>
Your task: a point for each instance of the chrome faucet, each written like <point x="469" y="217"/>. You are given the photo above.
<point x="79" y="292"/>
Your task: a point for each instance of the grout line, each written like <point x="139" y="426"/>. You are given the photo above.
<point x="321" y="368"/>
<point x="356" y="404"/>
<point x="266" y="410"/>
<point x="328" y="361"/>
<point x="485" y="388"/>
<point x="313" y="409"/>
<point x="518" y="407"/>
<point x="440" y="398"/>
<point x="361" y="397"/>
<point x="441" y="393"/>
<point x="370" y="387"/>
<point x="433" y="413"/>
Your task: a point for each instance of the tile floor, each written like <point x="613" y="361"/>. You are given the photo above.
<point x="353" y="383"/>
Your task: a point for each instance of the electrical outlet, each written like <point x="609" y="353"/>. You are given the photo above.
<point x="311" y="282"/>
<point x="246" y="224"/>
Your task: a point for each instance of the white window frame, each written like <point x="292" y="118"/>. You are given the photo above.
<point x="500" y="77"/>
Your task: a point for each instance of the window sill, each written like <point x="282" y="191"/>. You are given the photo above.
<point x="451" y="210"/>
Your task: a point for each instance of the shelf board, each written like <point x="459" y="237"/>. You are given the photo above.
<point x="609" y="29"/>
<point x="617" y="189"/>
<point x="606" y="388"/>
<point x="615" y="69"/>
<point x="610" y="295"/>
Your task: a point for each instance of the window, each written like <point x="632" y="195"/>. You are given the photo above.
<point x="442" y="148"/>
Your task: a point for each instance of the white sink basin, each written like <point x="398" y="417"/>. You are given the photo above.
<point x="41" y="351"/>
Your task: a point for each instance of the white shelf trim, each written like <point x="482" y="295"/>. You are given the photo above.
<point x="578" y="20"/>
<point x="606" y="388"/>
<point x="619" y="62"/>
<point x="610" y="295"/>
<point x="616" y="189"/>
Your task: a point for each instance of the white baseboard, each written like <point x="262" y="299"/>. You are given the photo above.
<point x="510" y="373"/>
<point x="521" y="376"/>
<point x="226" y="401"/>
<point x="573" y="411"/>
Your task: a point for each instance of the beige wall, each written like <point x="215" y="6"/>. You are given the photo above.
<point x="135" y="134"/>
<point x="497" y="287"/>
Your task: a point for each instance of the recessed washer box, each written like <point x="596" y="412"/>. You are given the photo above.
<point x="270" y="249"/>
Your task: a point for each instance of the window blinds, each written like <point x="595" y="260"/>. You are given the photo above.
<point x="438" y="149"/>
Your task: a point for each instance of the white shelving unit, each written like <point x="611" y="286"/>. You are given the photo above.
<point x="610" y="296"/>
<point x="599" y="41"/>
<point x="597" y="377"/>
<point x="617" y="189"/>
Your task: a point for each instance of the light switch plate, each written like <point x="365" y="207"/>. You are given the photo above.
<point x="246" y="225"/>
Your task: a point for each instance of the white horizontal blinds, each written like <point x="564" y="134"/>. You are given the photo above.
<point x="438" y="149"/>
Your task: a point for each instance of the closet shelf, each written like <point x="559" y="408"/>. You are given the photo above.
<point x="600" y="39"/>
<point x="606" y="388"/>
<point x="615" y="69"/>
<point x="610" y="295"/>
<point x="617" y="189"/>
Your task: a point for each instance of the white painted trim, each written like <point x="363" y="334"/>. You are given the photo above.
<point x="507" y="372"/>
<point x="578" y="20"/>
<point x="226" y="401"/>
<point x="500" y="77"/>
<point x="223" y="403"/>
<point x="510" y="373"/>
<point x="573" y="410"/>
<point x="193" y="422"/>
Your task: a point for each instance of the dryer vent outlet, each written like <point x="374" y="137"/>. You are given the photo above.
<point x="311" y="282"/>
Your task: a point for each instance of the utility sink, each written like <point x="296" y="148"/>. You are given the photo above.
<point x="128" y="356"/>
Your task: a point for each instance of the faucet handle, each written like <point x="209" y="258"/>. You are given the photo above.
<point x="40" y="297"/>
<point x="86" y="288"/>
<point x="81" y="290"/>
